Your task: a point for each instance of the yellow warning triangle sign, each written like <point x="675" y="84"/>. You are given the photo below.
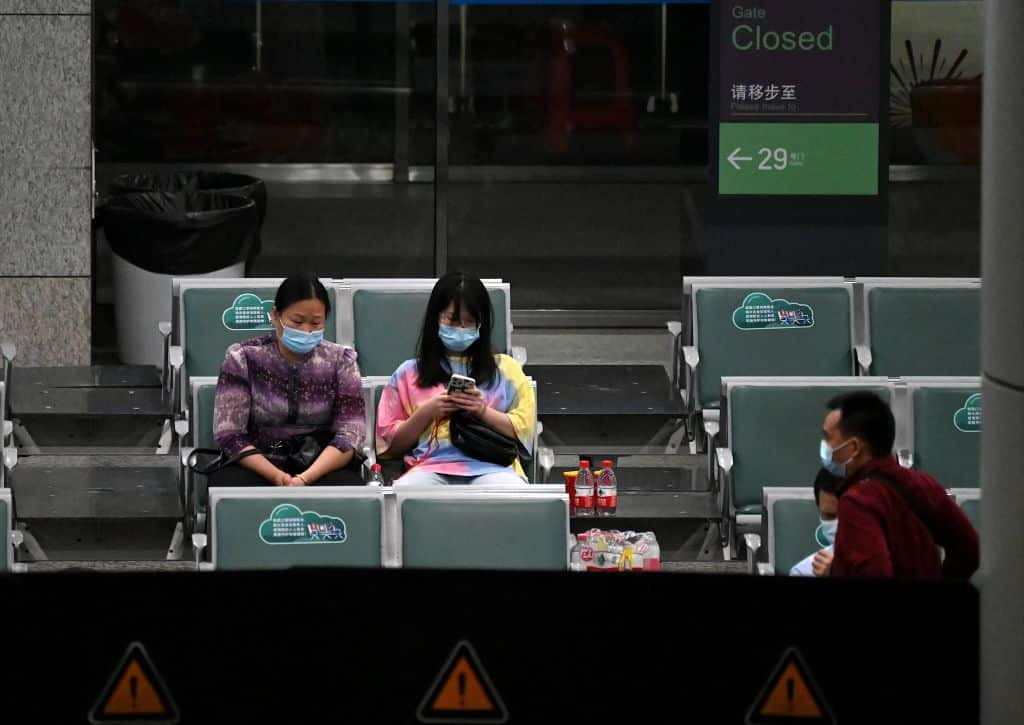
<point x="462" y="692"/>
<point x="135" y="693"/>
<point x="790" y="696"/>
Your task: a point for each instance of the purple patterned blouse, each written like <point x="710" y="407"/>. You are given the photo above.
<point x="263" y="399"/>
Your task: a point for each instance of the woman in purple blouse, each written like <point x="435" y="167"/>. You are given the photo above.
<point x="287" y="384"/>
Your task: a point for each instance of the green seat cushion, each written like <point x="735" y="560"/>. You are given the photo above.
<point x="484" y="534"/>
<point x="925" y="331"/>
<point x="774" y="436"/>
<point x="947" y="435"/>
<point x="738" y="335"/>
<point x="253" y="533"/>
<point x="388" y="321"/>
<point x="794" y="522"/>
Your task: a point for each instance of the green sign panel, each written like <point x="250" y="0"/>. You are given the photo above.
<point x="798" y="158"/>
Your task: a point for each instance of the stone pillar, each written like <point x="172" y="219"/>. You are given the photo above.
<point x="1002" y="363"/>
<point x="45" y="179"/>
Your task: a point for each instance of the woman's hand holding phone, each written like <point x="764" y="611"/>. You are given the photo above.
<point x="471" y="401"/>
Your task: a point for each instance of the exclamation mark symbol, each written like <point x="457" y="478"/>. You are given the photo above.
<point x="462" y="690"/>
<point x="133" y="687"/>
<point x="790" y="685"/>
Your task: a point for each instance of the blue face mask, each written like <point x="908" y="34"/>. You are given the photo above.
<point x="458" y="339"/>
<point x="825" y="453"/>
<point x="300" y="342"/>
<point x="825" y="534"/>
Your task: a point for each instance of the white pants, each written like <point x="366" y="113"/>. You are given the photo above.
<point x="424" y="478"/>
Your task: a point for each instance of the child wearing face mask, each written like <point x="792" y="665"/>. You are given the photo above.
<point x="826" y="484"/>
<point x="285" y="386"/>
<point x="413" y="418"/>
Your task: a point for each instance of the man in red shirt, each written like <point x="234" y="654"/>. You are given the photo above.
<point x="892" y="520"/>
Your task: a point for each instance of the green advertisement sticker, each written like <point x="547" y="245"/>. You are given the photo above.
<point x="968" y="418"/>
<point x="761" y="312"/>
<point x="248" y="312"/>
<point x="288" y="524"/>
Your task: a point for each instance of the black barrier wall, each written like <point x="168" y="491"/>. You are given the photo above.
<point x="381" y="646"/>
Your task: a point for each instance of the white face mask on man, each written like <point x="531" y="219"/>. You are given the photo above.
<point x="825" y="455"/>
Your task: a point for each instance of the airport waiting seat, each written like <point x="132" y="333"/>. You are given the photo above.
<point x="475" y="527"/>
<point x="381" y="319"/>
<point x="202" y="393"/>
<point x="270" y="528"/>
<point x="969" y="500"/>
<point x="791" y="521"/>
<point x="773" y="326"/>
<point x="943" y="429"/>
<point x="919" y="326"/>
<point x="210" y="315"/>
<point x="771" y="429"/>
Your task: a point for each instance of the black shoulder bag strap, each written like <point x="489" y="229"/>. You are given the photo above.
<point x="911" y="502"/>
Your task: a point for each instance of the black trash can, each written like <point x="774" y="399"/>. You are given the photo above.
<point x="192" y="181"/>
<point x="157" y="236"/>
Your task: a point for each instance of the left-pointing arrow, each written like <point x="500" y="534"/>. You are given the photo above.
<point x="735" y="158"/>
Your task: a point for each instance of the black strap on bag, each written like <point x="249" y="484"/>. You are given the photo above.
<point x="909" y="499"/>
<point x="220" y="461"/>
<point x="478" y="440"/>
<point x="292" y="456"/>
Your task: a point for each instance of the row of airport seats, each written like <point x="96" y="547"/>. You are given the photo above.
<point x="791" y="521"/>
<point x="820" y="327"/>
<point x="524" y="527"/>
<point x="380" y="318"/>
<point x="770" y="429"/>
<point x="201" y="403"/>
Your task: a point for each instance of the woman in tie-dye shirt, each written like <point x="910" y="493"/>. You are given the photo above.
<point x="412" y="420"/>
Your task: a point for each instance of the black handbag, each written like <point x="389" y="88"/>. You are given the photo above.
<point x="478" y="440"/>
<point x="292" y="456"/>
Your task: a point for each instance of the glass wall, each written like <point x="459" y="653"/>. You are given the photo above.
<point x="573" y="151"/>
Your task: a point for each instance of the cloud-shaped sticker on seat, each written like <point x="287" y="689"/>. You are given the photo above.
<point x="968" y="418"/>
<point x="761" y="312"/>
<point x="248" y="312"/>
<point x="288" y="524"/>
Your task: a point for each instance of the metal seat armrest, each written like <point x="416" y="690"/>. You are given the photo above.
<point x="10" y="457"/>
<point x="675" y="328"/>
<point x="199" y="543"/>
<point x="518" y="353"/>
<point x="691" y="357"/>
<point x="753" y="542"/>
<point x="764" y="569"/>
<point x="862" y="353"/>
<point x="165" y="332"/>
<point x="723" y="456"/>
<point x="905" y="457"/>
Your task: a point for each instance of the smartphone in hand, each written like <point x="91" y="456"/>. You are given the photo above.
<point x="460" y="384"/>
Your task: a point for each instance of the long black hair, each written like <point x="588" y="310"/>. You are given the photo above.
<point x="300" y="287"/>
<point x="431" y="357"/>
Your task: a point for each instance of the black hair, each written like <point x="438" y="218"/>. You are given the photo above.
<point x="825" y="482"/>
<point x="301" y="287"/>
<point x="432" y="356"/>
<point x="865" y="415"/>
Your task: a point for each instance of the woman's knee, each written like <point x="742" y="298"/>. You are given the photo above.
<point x="502" y="479"/>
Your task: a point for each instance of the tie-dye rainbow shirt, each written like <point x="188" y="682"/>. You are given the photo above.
<point x="510" y="392"/>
